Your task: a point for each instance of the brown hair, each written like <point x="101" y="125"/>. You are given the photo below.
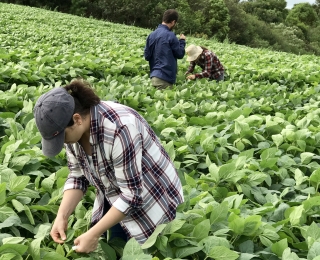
<point x="170" y="15"/>
<point x="84" y="97"/>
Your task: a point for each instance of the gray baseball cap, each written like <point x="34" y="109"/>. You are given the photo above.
<point x="53" y="112"/>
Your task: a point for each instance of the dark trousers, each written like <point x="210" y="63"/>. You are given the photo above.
<point x="116" y="230"/>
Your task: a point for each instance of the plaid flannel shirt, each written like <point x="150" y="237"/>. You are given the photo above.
<point x="131" y="170"/>
<point x="210" y="64"/>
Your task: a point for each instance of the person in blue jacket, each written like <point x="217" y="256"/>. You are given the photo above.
<point x="163" y="49"/>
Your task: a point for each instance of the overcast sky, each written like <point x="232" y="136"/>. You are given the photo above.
<point x="291" y="3"/>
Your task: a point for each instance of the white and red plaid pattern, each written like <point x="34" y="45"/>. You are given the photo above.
<point x="210" y="65"/>
<point x="131" y="170"/>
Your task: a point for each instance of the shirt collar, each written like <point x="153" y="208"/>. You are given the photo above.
<point x="163" y="26"/>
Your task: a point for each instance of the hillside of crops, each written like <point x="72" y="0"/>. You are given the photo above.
<point x="246" y="149"/>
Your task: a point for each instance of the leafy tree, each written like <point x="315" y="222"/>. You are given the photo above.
<point x="289" y="39"/>
<point x="241" y="30"/>
<point x="316" y="7"/>
<point x="60" y="5"/>
<point x="270" y="11"/>
<point x="213" y="16"/>
<point x="302" y="13"/>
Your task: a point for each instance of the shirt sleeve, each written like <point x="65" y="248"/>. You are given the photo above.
<point x="76" y="179"/>
<point x="207" y="71"/>
<point x="127" y="162"/>
<point x="191" y="67"/>
<point x="177" y="47"/>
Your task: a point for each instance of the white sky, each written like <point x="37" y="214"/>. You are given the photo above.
<point x="291" y="3"/>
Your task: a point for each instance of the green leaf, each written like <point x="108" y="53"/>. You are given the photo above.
<point x="6" y="212"/>
<point x="10" y="221"/>
<point x="265" y="241"/>
<point x="162" y="243"/>
<point x="19" y="249"/>
<point x="137" y="257"/>
<point x="314" y="251"/>
<point x="53" y="255"/>
<point x="306" y="157"/>
<point x="190" y="181"/>
<point x="279" y="247"/>
<point x="43" y="231"/>
<point x="222" y="253"/>
<point x="18" y="183"/>
<point x="236" y="224"/>
<point x="132" y="248"/>
<point x="313" y="231"/>
<point x="286" y="161"/>
<point x="10" y="147"/>
<point x="8" y="256"/>
<point x="169" y="147"/>
<point x="288" y="255"/>
<point x="251" y="225"/>
<point x="70" y="234"/>
<point x="227" y="171"/>
<point x="3" y="187"/>
<point x="299" y="177"/>
<point x="29" y="214"/>
<point x="214" y="172"/>
<point x="277" y="139"/>
<point x="62" y="173"/>
<point x="173" y="226"/>
<point x="12" y="240"/>
<point x="270" y="233"/>
<point x="256" y="178"/>
<point x="187" y="251"/>
<point x="240" y="127"/>
<point x="268" y="163"/>
<point x="201" y="230"/>
<point x="168" y="132"/>
<point x="192" y="134"/>
<point x="47" y="183"/>
<point x="248" y="153"/>
<point x="297" y="216"/>
<point x="17" y="205"/>
<point x="309" y="203"/>
<point x="315" y="177"/>
<point x="108" y="250"/>
<point x="303" y="123"/>
<point x="19" y="162"/>
<point x="219" y="212"/>
<point x="247" y="247"/>
<point x="240" y="162"/>
<point x="152" y="239"/>
<point x="34" y="249"/>
<point x="208" y="144"/>
<point x="60" y="250"/>
<point x="212" y="241"/>
<point x="268" y="153"/>
<point x="246" y="256"/>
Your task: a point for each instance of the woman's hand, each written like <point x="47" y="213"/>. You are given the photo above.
<point x="86" y="243"/>
<point x="58" y="230"/>
<point x="191" y="77"/>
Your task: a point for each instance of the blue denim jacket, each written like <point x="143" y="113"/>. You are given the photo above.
<point x="162" y="51"/>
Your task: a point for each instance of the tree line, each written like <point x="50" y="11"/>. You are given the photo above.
<point x="254" y="23"/>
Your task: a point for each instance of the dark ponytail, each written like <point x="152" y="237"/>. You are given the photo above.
<point x="84" y="97"/>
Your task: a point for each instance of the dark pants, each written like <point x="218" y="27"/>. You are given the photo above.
<point x="116" y="230"/>
<point x="221" y="77"/>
